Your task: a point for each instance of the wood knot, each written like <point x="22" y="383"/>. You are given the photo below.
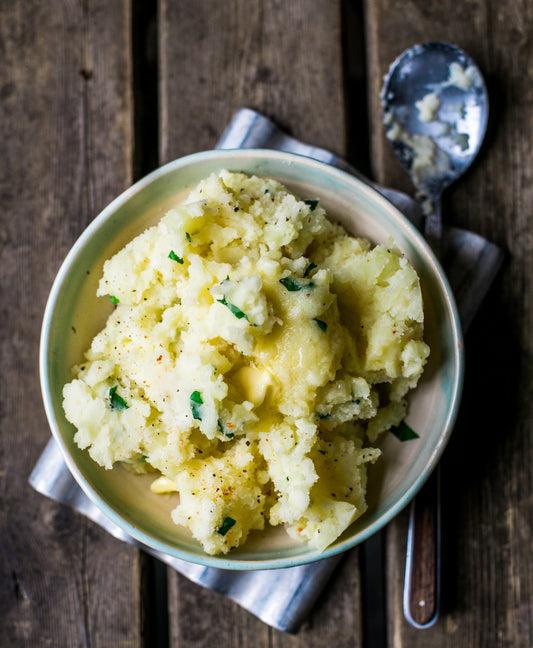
<point x="87" y="75"/>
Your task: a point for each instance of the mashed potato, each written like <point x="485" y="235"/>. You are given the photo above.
<point x="254" y="351"/>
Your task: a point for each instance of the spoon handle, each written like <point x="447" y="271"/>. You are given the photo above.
<point x="421" y="591"/>
<point x="422" y="567"/>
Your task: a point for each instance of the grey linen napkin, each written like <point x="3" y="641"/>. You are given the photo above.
<point x="282" y="598"/>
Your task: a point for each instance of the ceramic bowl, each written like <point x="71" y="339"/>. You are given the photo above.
<point x="74" y="315"/>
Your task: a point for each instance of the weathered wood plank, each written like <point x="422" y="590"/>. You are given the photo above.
<point x="202" y="618"/>
<point x="281" y="58"/>
<point x="487" y="506"/>
<point x="284" y="60"/>
<point x="337" y="615"/>
<point x="66" y="128"/>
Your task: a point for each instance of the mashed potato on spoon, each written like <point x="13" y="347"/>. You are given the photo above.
<point x="254" y="352"/>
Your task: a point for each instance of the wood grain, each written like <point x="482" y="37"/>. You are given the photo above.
<point x="337" y="617"/>
<point x="283" y="59"/>
<point x="66" y="132"/>
<point x="487" y="543"/>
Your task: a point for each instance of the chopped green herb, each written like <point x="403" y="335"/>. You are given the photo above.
<point x="116" y="401"/>
<point x="196" y="412"/>
<point x="309" y="269"/>
<point x="404" y="432"/>
<point x="312" y="204"/>
<point x="196" y="401"/>
<point x="322" y="452"/>
<point x="291" y="284"/>
<point x="322" y="325"/>
<point x="175" y="257"/>
<point x="143" y="459"/>
<point x="234" y="309"/>
<point x="226" y="526"/>
<point x="114" y="299"/>
<point x="188" y="236"/>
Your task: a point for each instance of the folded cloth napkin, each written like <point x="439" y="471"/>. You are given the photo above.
<point x="282" y="598"/>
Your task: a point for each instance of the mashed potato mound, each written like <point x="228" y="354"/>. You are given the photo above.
<point x="254" y="351"/>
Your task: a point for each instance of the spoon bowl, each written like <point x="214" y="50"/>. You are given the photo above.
<point x="435" y="107"/>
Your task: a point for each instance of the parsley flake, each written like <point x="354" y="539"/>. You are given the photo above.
<point x="291" y="284"/>
<point x="404" y="432"/>
<point x="196" y="401"/>
<point x="114" y="299"/>
<point x="312" y="204"/>
<point x="117" y="402"/>
<point x="196" y="397"/>
<point x="322" y="325"/>
<point x="226" y="526"/>
<point x="309" y="268"/>
<point x="175" y="257"/>
<point x="234" y="309"/>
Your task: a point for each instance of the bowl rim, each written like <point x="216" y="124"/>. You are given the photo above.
<point x="225" y="561"/>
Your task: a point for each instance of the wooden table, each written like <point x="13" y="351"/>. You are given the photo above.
<point x="93" y="95"/>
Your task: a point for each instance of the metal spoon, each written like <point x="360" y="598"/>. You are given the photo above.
<point x="435" y="108"/>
